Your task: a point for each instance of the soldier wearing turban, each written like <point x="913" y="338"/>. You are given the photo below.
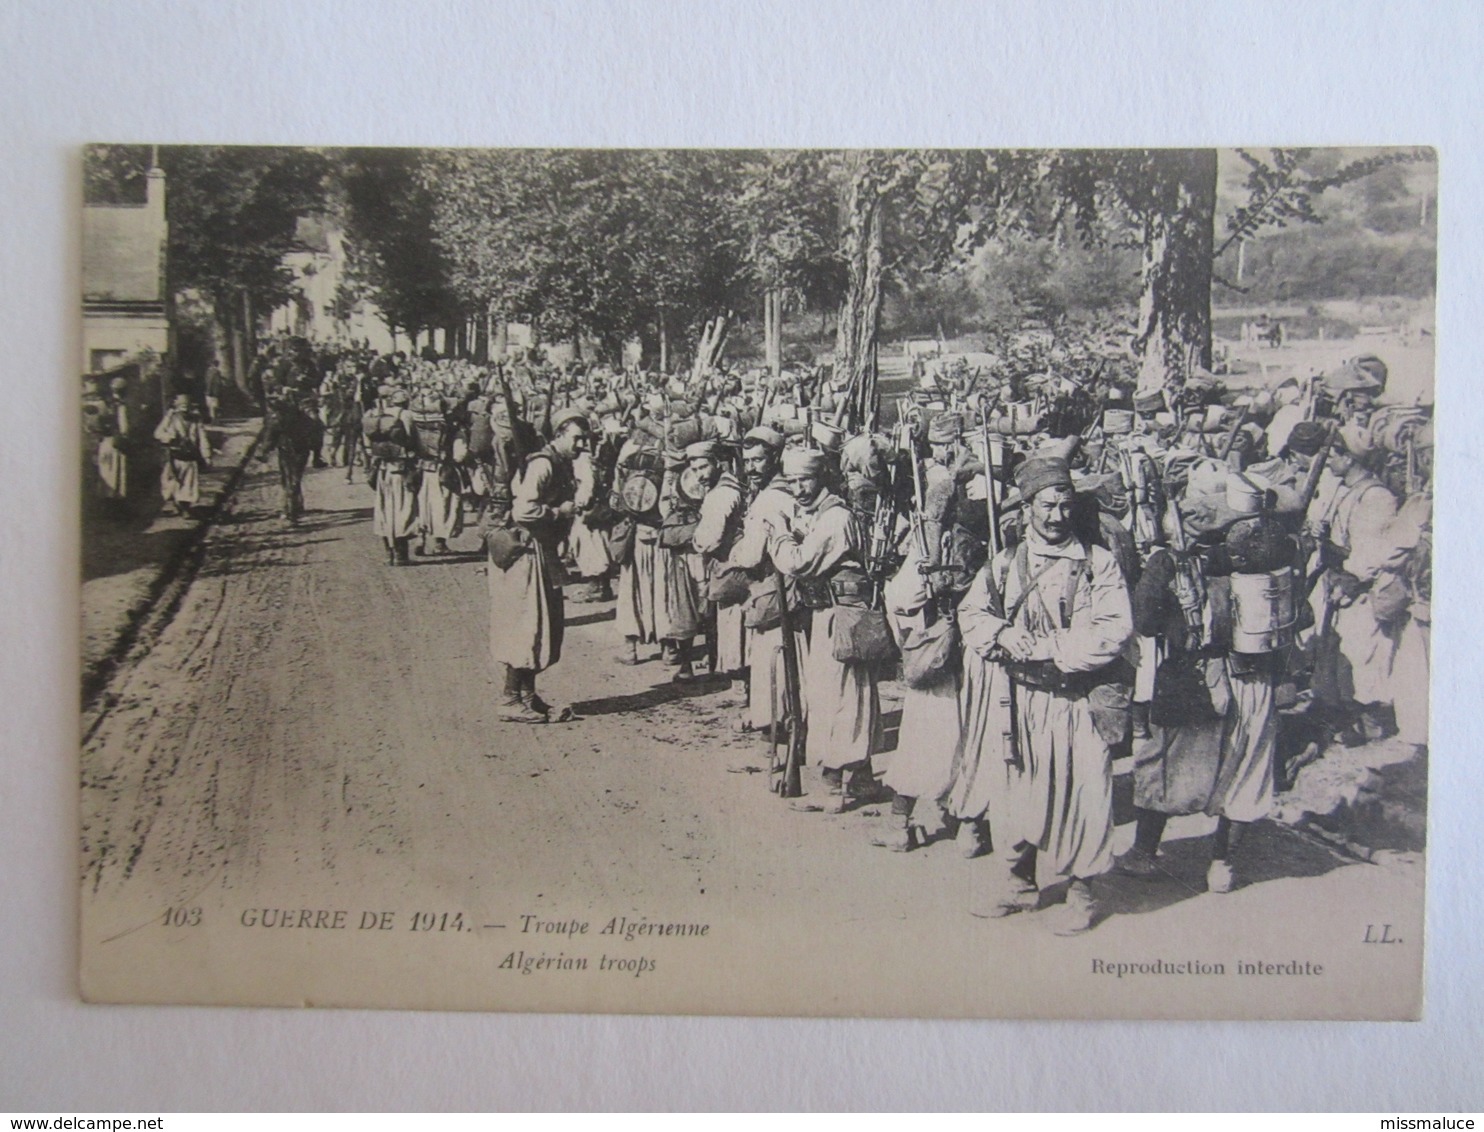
<point x="1052" y="617"/>
<point x="823" y="548"/>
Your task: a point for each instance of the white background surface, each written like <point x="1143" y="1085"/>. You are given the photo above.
<point x="967" y="74"/>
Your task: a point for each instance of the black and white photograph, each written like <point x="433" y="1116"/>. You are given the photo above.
<point x="922" y="583"/>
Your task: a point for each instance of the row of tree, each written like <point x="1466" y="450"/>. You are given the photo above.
<point x="613" y="245"/>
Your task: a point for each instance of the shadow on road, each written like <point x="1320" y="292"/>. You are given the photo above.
<point x="653" y="697"/>
<point x="1268" y="852"/>
<point x="596" y="617"/>
<point x="450" y="558"/>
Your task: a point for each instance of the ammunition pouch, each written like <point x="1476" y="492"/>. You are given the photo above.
<point x="814" y="593"/>
<point x="861" y="636"/>
<point x="506" y="545"/>
<point x="388" y="452"/>
<point x="852" y="590"/>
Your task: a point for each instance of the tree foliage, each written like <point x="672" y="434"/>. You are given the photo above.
<point x="1281" y="190"/>
<point x="390" y="227"/>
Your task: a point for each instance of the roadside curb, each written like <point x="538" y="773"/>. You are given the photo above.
<point x="132" y="632"/>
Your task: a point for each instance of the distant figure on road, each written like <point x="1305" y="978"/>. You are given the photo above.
<point x="187" y="451"/>
<point x="216" y="385"/>
<point x="294" y="433"/>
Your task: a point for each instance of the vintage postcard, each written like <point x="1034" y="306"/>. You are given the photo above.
<point x="919" y="583"/>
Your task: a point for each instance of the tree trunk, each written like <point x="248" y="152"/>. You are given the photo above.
<point x="482" y="338"/>
<point x="502" y="339"/>
<point x="1174" y="330"/>
<point x="773" y="329"/>
<point x="576" y="345"/>
<point x="249" y="330"/>
<point x="664" y="343"/>
<point x="860" y="311"/>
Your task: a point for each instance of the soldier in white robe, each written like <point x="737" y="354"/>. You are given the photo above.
<point x="1055" y="614"/>
<point x="388" y="432"/>
<point x="440" y="508"/>
<point x="824" y="550"/>
<point x="1357" y="649"/>
<point x="770" y="507"/>
<point x="111" y="456"/>
<point x="187" y="451"/>
<point x="716" y="529"/>
<point x="526" y="608"/>
<point x="920" y="770"/>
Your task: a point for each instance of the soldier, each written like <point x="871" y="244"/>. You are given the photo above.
<point x="1358" y="635"/>
<point x="525" y="573"/>
<point x="1054" y="614"/>
<point x="922" y="602"/>
<point x="823" y="549"/>
<point x="393" y="475"/>
<point x="111" y="429"/>
<point x="638" y="597"/>
<point x="290" y="432"/>
<point x="439" y="503"/>
<point x="679" y="610"/>
<point x="769" y="506"/>
<point x="187" y="451"/>
<point x="717" y="526"/>
<point x="1214" y="718"/>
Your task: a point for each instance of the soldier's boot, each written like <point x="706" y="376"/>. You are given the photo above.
<point x="548" y="712"/>
<point x="440" y="546"/>
<point x="515" y="706"/>
<point x="630" y="653"/>
<point x="1140" y="713"/>
<point x="834" y="779"/>
<point x="422" y="545"/>
<point x="1139" y="861"/>
<point x="1009" y="891"/>
<point x="391" y="553"/>
<point x="856" y="786"/>
<point x="900" y="835"/>
<point x="1077" y="913"/>
<point x="403" y="558"/>
<point x="972" y="839"/>
<point x="683" y="669"/>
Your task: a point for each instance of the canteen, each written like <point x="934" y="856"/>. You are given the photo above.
<point x="1263" y="614"/>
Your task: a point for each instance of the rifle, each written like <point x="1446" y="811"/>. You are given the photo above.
<point x="790" y="783"/>
<point x="550" y="397"/>
<point x="1231" y="435"/>
<point x="1316" y="469"/>
<point x="1011" y="701"/>
<point x="991" y="500"/>
<point x="1190" y="583"/>
<point x="918" y="498"/>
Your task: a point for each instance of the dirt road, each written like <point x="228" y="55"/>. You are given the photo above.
<point x="315" y="727"/>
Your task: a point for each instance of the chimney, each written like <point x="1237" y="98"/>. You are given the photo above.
<point x="154" y="185"/>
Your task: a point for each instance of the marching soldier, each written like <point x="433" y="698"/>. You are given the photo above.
<point x="388" y="431"/>
<point x="440" y="504"/>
